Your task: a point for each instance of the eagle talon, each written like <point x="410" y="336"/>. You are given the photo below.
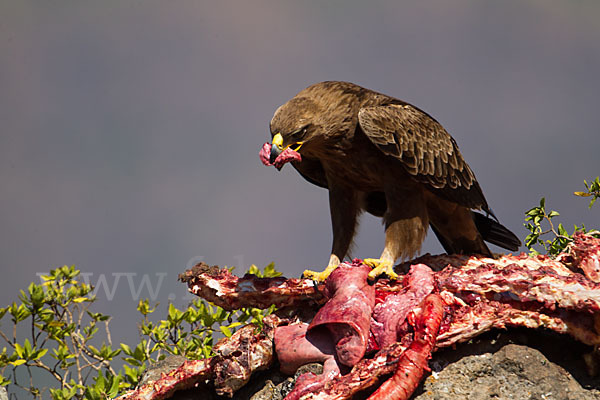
<point x="319" y="276"/>
<point x="380" y="266"/>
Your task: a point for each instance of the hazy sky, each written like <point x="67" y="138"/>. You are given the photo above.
<point x="130" y="130"/>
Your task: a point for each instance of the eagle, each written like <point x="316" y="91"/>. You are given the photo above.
<point x="379" y="154"/>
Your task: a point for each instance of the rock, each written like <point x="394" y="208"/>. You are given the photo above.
<point x="514" y="372"/>
<point x="265" y="385"/>
<point x="515" y="364"/>
<point x="154" y="372"/>
<point x="276" y="385"/>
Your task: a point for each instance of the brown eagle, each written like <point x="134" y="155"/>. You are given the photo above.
<point x="381" y="155"/>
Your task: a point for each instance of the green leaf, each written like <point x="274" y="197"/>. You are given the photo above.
<point x="270" y="271"/>
<point x="562" y="230"/>
<point x="39" y="354"/>
<point x="253" y="270"/>
<point x="553" y="214"/>
<point x="139" y="353"/>
<point x="113" y="390"/>
<point x="126" y="349"/>
<point x="226" y="331"/>
<point x="234" y="325"/>
<point x="55" y="324"/>
<point x="19" y="350"/>
<point x="533" y="211"/>
<point x="531" y="239"/>
<point x="27" y="349"/>
<point x="95" y="351"/>
<point x="80" y="299"/>
<point x="208" y="320"/>
<point x="175" y="315"/>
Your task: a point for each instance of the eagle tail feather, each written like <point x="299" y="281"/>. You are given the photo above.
<point x="496" y="233"/>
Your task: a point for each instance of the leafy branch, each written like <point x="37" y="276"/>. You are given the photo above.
<point x="539" y="222"/>
<point x="64" y="335"/>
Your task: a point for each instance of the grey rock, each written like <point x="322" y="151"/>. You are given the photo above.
<point x="277" y="386"/>
<point x="265" y="385"/>
<point x="155" y="371"/>
<point x="268" y="392"/>
<point x="514" y="372"/>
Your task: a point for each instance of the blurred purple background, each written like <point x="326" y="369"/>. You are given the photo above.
<point x="130" y="130"/>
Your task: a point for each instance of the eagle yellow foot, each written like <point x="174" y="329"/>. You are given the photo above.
<point x="334" y="261"/>
<point x="380" y="266"/>
<point x="320" y="276"/>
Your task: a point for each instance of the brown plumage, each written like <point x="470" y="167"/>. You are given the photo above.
<point x="384" y="156"/>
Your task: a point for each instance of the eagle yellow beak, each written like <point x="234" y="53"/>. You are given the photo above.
<point x="276" y="147"/>
<point x="278" y="140"/>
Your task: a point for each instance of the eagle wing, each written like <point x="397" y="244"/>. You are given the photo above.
<point x="425" y="149"/>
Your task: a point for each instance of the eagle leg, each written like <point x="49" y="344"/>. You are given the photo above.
<point x="406" y="226"/>
<point x="343" y="205"/>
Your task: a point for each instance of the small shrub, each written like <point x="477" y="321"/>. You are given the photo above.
<point x="64" y="332"/>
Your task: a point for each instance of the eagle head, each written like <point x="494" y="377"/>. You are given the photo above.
<point x="293" y="126"/>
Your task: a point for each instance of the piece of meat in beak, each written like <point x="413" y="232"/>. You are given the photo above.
<point x="276" y="157"/>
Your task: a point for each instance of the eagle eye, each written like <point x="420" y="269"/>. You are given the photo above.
<point x="299" y="134"/>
